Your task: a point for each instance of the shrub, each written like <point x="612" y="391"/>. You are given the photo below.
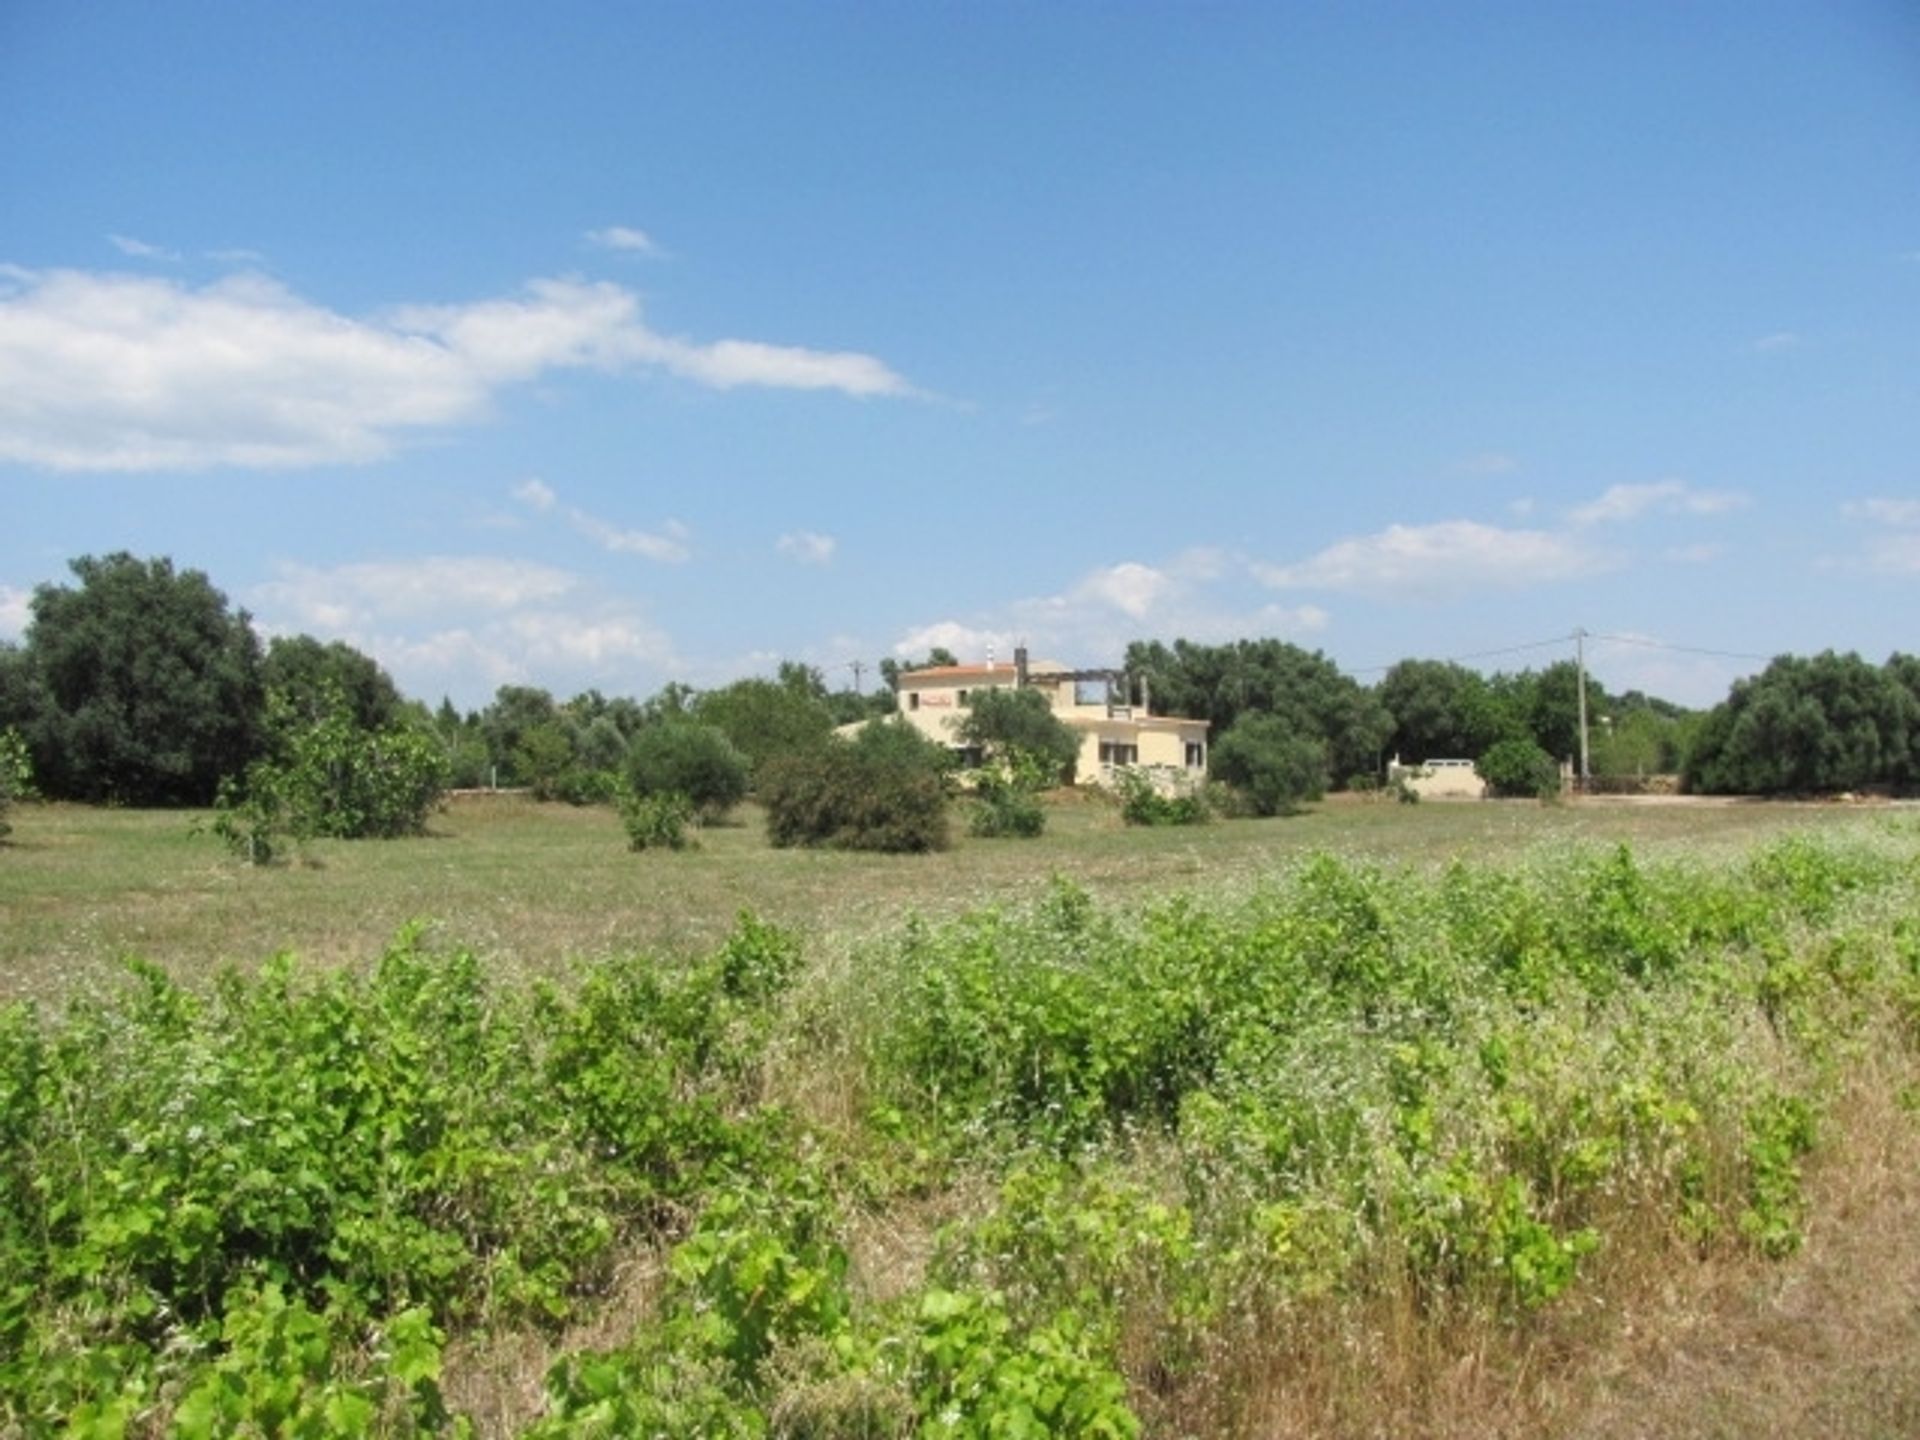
<point x="656" y="822"/>
<point x="864" y="795"/>
<point x="1519" y="768"/>
<point x="1274" y="767"/>
<point x="689" y="759"/>
<point x="335" y="780"/>
<point x="1143" y="803"/>
<point x="1004" y="807"/>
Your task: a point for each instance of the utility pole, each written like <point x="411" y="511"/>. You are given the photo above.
<point x="1580" y="665"/>
<point x="859" y="668"/>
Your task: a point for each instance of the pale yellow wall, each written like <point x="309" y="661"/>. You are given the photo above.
<point x="1160" y="740"/>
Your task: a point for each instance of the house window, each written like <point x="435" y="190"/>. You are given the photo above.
<point x="913" y="699"/>
<point x="1196" y="755"/>
<point x="963" y="697"/>
<point x="1116" y="752"/>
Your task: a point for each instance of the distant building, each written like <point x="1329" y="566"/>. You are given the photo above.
<point x="1439" y="779"/>
<point x="1097" y="705"/>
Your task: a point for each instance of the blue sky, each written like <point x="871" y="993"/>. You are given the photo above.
<point x="609" y="344"/>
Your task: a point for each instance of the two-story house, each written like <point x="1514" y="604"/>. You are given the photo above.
<point x="1097" y="705"/>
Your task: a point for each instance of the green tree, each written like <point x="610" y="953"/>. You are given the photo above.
<point x="766" y="719"/>
<point x="151" y="685"/>
<point x="544" y="759"/>
<point x="1304" y="689"/>
<point x="1440" y="711"/>
<point x="687" y="758"/>
<point x="1519" y="768"/>
<point x="303" y="673"/>
<point x="1273" y="766"/>
<point x="1832" y="722"/>
<point x="1012" y="725"/>
<point x="515" y="711"/>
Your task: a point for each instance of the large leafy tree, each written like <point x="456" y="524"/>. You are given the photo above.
<point x="1303" y="688"/>
<point x="684" y="757"/>
<point x="150" y="684"/>
<point x="1832" y="722"/>
<point x="310" y="679"/>
<point x="766" y="719"/>
<point x="1442" y="710"/>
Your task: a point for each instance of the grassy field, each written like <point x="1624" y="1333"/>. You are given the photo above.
<point x="531" y="887"/>
<point x="1565" y="1141"/>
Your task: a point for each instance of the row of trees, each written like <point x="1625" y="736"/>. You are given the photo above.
<point x="139" y="684"/>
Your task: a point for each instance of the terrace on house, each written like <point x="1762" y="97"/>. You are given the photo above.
<point x="1116" y="729"/>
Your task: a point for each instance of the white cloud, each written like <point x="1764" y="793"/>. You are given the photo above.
<point x="126" y="372"/>
<point x="1450" y="555"/>
<point x="809" y="547"/>
<point x="468" y="624"/>
<point x="1666" y="497"/>
<point x="15" y="612"/>
<point x="1778" y="343"/>
<point x="625" y="238"/>
<point x="374" y="592"/>
<point x="140" y="249"/>
<point x="726" y="364"/>
<point x="1902" y="514"/>
<point x="1895" y="553"/>
<point x="669" y="546"/>
<point x="968" y="643"/>
<point x="1128" y="586"/>
<point x="1091" y="621"/>
<point x="535" y="494"/>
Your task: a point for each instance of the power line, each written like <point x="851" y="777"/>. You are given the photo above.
<point x="1683" y="649"/>
<point x="1570" y="639"/>
<point x="1478" y="654"/>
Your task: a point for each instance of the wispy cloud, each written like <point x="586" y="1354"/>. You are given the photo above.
<point x="535" y="494"/>
<point x="1091" y="620"/>
<point x="1778" y="343"/>
<point x="132" y="373"/>
<point x="1666" y="497"/>
<point x="1451" y="555"/>
<point x="809" y="547"/>
<point x="140" y="249"/>
<point x="1893" y="547"/>
<point x="1882" y="511"/>
<point x="625" y="238"/>
<point x="667" y="545"/>
<point x="469" y="623"/>
<point x="363" y="594"/>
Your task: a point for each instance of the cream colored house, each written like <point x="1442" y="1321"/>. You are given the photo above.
<point x="1095" y="704"/>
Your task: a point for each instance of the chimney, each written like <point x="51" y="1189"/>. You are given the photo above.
<point x="1146" y="695"/>
<point x="1020" y="666"/>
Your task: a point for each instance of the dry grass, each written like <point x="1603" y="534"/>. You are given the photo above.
<point x="531" y="887"/>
